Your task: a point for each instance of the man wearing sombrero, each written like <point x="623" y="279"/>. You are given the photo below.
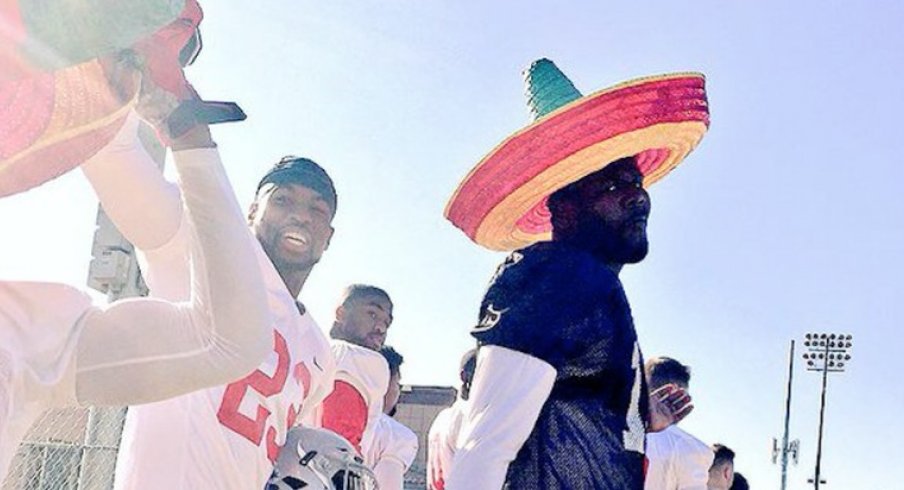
<point x="559" y="399"/>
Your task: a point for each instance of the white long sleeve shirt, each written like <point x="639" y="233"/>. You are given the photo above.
<point x="393" y="450"/>
<point x="677" y="461"/>
<point x="441" y="443"/>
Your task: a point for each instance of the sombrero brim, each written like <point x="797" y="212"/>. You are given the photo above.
<point x="501" y="203"/>
<point x="44" y="36"/>
<point x="53" y="122"/>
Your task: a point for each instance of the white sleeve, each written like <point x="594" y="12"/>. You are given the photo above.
<point x="403" y="444"/>
<point x="143" y="350"/>
<point x="147" y="209"/>
<point x="433" y="449"/>
<point x="659" y="455"/>
<point x="692" y="469"/>
<point x="507" y="394"/>
<point x="397" y="450"/>
<point x="390" y="474"/>
<point x="144" y="206"/>
<point x="439" y="451"/>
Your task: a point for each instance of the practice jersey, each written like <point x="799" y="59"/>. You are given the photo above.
<point x="564" y="307"/>
<point x="226" y="437"/>
<point x="40" y="325"/>
<point x="441" y="443"/>
<point x="677" y="461"/>
<point x="392" y="452"/>
<point x="356" y="402"/>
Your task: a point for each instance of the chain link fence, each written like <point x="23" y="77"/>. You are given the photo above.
<point x="69" y="449"/>
<point x="75" y="448"/>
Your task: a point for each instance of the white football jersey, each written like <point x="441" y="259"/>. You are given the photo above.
<point x="677" y="461"/>
<point x="393" y="450"/>
<point x="40" y="324"/>
<point x="441" y="443"/>
<point x="356" y="403"/>
<point x="226" y="437"/>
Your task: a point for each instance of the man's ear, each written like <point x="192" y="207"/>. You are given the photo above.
<point x="252" y="211"/>
<point x="340" y="313"/>
<point x="329" y="238"/>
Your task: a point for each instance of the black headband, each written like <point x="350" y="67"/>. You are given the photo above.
<point x="305" y="172"/>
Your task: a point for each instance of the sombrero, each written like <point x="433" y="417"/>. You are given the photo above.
<point x="57" y="107"/>
<point x="49" y="35"/>
<point x="501" y="203"/>
<point x="51" y="123"/>
<point x="53" y="120"/>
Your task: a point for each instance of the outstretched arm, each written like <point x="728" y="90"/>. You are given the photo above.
<point x="143" y="350"/>
<point x="144" y="206"/>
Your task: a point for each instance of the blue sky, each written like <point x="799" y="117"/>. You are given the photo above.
<point x="786" y="219"/>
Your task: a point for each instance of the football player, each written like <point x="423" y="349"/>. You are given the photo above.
<point x="59" y="349"/>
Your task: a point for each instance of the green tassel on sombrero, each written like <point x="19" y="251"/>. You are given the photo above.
<point x="501" y="203"/>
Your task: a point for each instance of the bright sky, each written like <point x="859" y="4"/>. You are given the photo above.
<point x="785" y="220"/>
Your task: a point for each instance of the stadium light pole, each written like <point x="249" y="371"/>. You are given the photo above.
<point x="828" y="353"/>
<point x="792" y="446"/>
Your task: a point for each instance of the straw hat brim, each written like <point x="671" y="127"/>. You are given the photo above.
<point x="53" y="122"/>
<point x="501" y="203"/>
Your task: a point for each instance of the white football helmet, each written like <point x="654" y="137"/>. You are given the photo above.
<point x="318" y="459"/>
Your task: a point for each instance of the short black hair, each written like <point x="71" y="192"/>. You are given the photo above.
<point x="291" y="169"/>
<point x="739" y="483"/>
<point x="466" y="368"/>
<point x="467" y="364"/>
<point x="393" y="358"/>
<point x="665" y="370"/>
<point x="357" y="291"/>
<point x="723" y="455"/>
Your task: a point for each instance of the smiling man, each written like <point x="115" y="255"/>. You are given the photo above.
<point x="362" y="374"/>
<point x="559" y="400"/>
<point x="227" y="436"/>
<point x="291" y="216"/>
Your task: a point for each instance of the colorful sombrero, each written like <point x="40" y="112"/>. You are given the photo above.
<point x="57" y="107"/>
<point x="501" y="203"/>
<point x="48" y="35"/>
<point x="53" y="120"/>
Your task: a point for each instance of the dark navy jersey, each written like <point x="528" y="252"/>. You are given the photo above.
<point x="567" y="308"/>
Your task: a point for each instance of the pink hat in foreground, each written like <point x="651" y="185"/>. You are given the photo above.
<point x="501" y="203"/>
